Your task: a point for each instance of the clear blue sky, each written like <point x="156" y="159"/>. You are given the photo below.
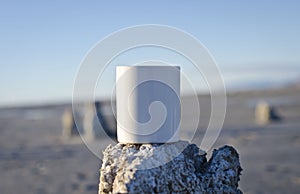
<point x="43" y="42"/>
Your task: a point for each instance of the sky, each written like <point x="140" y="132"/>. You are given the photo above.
<point x="42" y="43"/>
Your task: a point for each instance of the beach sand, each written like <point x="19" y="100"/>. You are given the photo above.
<point x="35" y="159"/>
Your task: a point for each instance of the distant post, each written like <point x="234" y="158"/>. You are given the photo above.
<point x="68" y="124"/>
<point x="88" y="118"/>
<point x="262" y="113"/>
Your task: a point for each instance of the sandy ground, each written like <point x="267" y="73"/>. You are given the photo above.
<point x="34" y="159"/>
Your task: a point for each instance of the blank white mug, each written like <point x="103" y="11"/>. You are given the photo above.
<point x="148" y="104"/>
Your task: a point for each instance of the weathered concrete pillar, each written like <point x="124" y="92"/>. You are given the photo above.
<point x="262" y="113"/>
<point x="68" y="124"/>
<point x="107" y="122"/>
<point x="88" y="121"/>
<point x="127" y="168"/>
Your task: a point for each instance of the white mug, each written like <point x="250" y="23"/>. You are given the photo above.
<point x="148" y="104"/>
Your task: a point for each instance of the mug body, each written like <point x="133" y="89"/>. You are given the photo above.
<point x="148" y="104"/>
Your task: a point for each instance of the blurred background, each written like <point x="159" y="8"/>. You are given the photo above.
<point x="256" y="45"/>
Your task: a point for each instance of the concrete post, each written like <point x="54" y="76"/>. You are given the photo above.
<point x="262" y="113"/>
<point x="68" y="124"/>
<point x="88" y="121"/>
